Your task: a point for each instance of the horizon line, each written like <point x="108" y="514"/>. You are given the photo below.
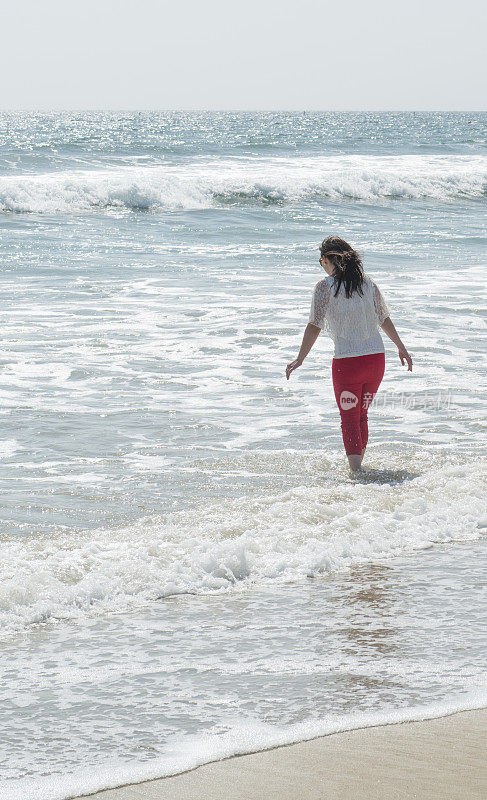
<point x="142" y="110"/>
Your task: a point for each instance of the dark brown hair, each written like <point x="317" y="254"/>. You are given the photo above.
<point x="347" y="265"/>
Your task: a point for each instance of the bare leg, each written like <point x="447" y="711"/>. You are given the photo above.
<point x="355" y="462"/>
<point x="363" y="453"/>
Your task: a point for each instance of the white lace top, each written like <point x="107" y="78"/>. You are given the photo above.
<point x="352" y="322"/>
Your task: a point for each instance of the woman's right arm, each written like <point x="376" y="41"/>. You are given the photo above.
<point x="319" y="303"/>
<point x="311" y="333"/>
<point x="388" y="327"/>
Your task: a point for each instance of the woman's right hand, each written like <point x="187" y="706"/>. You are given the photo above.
<point x="404" y="356"/>
<point x="292" y="366"/>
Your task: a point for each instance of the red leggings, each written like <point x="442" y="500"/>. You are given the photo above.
<point x="355" y="381"/>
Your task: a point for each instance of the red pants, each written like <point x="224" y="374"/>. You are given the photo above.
<point x="355" y="381"/>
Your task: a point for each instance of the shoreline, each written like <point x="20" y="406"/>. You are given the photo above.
<point x="435" y="759"/>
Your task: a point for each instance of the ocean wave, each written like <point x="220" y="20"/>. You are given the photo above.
<point x="308" y="531"/>
<point x="239" y="181"/>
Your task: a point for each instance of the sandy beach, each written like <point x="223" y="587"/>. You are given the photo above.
<point x="439" y="759"/>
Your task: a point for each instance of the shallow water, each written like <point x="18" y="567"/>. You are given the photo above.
<point x="144" y="694"/>
<point x="169" y="500"/>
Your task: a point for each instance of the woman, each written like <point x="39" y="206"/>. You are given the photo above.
<point x="350" y="306"/>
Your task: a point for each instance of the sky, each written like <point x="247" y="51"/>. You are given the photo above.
<point x="251" y="55"/>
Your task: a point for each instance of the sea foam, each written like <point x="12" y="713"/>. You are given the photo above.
<point x="206" y="183"/>
<point x="237" y="543"/>
<point x="188" y="752"/>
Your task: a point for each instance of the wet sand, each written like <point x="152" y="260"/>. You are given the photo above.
<point x="439" y="759"/>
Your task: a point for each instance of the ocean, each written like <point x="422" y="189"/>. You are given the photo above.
<point x="188" y="571"/>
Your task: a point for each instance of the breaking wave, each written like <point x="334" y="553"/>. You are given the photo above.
<point x="210" y="183"/>
<point x="289" y="536"/>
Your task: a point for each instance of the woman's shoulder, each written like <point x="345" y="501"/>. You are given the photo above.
<point x="324" y="284"/>
<point x="368" y="281"/>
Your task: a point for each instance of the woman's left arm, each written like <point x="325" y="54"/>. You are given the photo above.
<point x="310" y="336"/>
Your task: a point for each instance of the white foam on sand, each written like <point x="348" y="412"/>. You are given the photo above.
<point x="187" y="752"/>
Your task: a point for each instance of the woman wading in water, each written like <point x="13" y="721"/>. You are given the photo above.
<point x="350" y="306"/>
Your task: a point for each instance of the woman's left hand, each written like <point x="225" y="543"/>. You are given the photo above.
<point x="292" y="366"/>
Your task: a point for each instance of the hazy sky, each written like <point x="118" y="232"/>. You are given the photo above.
<point x="255" y="54"/>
